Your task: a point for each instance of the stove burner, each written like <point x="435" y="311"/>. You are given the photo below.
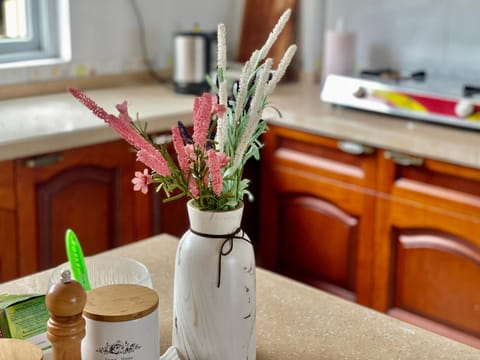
<point x="470" y="90"/>
<point x="395" y="75"/>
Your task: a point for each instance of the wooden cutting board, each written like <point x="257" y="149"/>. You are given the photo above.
<point x="259" y="18"/>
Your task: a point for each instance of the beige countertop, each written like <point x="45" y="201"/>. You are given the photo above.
<point x="302" y="108"/>
<point x="294" y="321"/>
<point x="36" y="125"/>
<point x="42" y="124"/>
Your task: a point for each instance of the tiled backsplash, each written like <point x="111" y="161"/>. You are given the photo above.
<point x="440" y="36"/>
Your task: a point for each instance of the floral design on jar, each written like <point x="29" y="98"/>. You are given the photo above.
<point x="118" y="347"/>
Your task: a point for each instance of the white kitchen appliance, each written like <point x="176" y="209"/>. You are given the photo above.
<point x="194" y="55"/>
<point x="411" y="95"/>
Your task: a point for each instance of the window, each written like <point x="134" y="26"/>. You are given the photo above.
<point x="34" y="32"/>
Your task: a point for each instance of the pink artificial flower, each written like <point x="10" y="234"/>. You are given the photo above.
<point x="154" y="160"/>
<point x="190" y="152"/>
<point x="217" y="109"/>
<point x="223" y="159"/>
<point x="215" y="172"/>
<point x="123" y="128"/>
<point x="141" y="181"/>
<point x="123" y="107"/>
<point x="123" y="113"/>
<point x="121" y="124"/>
<point x="202" y="107"/>
<point x="89" y="103"/>
<point x="193" y="188"/>
<point x="180" y="149"/>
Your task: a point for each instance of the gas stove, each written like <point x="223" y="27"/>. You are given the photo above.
<point x="411" y="95"/>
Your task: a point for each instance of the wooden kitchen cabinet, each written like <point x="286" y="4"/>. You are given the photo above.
<point x="8" y="253"/>
<point x="317" y="211"/>
<point x="167" y="217"/>
<point x="87" y="189"/>
<point x="427" y="246"/>
<point x="394" y="232"/>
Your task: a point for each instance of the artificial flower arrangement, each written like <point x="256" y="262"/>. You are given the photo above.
<point x="226" y="132"/>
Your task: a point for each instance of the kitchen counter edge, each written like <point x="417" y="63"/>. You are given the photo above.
<point x="57" y="122"/>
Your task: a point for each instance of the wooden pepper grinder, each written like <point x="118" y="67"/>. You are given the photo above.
<point x="65" y="301"/>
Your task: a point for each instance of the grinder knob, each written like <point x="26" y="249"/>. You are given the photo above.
<point x="65" y="302"/>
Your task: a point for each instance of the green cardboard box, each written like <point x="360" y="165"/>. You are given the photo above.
<point x="24" y="317"/>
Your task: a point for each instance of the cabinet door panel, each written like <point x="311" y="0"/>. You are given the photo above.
<point x="319" y="232"/>
<point x="81" y="198"/>
<point x="7" y="185"/>
<point x="87" y="189"/>
<point x="318" y="243"/>
<point x="437" y="276"/>
<point x="317" y="212"/>
<point x="8" y="233"/>
<point x="427" y="268"/>
<point x="8" y="252"/>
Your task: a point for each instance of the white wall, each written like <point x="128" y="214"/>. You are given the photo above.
<point x="311" y="19"/>
<point x="440" y="36"/>
<point x="105" y="35"/>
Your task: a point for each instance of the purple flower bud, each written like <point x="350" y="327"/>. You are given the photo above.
<point x="187" y="138"/>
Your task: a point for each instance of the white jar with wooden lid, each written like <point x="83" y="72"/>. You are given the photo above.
<point x="121" y="323"/>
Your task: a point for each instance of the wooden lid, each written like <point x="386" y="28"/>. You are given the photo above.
<point x="120" y="302"/>
<point x="16" y="349"/>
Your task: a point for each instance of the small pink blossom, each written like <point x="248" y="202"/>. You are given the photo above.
<point x="217" y="109"/>
<point x="141" y="181"/>
<point x="123" y="107"/>
<point x="190" y="152"/>
<point x="123" y="113"/>
<point x="223" y="159"/>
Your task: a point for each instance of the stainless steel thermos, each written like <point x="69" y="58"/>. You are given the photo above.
<point x="194" y="55"/>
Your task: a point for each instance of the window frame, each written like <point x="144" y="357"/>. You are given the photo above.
<point x="49" y="38"/>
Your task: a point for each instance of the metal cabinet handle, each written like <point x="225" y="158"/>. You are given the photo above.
<point x="354" y="148"/>
<point x="43" y="160"/>
<point x="403" y="159"/>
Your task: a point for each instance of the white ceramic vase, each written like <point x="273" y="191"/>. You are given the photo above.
<point x="214" y="289"/>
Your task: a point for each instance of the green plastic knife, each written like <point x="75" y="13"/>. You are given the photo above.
<point x="76" y="259"/>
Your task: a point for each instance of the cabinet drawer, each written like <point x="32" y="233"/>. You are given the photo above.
<point x="433" y="184"/>
<point x="330" y="158"/>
